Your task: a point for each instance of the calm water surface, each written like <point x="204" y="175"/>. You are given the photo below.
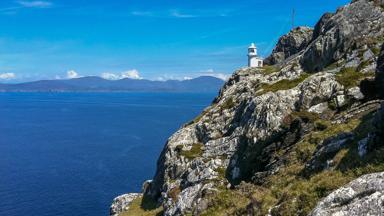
<point x="72" y="153"/>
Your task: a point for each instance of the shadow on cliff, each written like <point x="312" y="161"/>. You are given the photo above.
<point x="258" y="160"/>
<point x="149" y="204"/>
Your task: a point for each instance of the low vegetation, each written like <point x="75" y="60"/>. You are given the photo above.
<point x="269" y="69"/>
<point x="226" y="202"/>
<point x="194" y="152"/>
<point x="282" y="84"/>
<point x="292" y="191"/>
<point x="350" y="77"/>
<point x="228" y="104"/>
<point x="143" y="207"/>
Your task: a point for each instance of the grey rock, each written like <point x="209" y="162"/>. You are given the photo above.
<point x="341" y="100"/>
<point x="319" y="108"/>
<point x="355" y="93"/>
<point x="363" y="196"/>
<point x="290" y="44"/>
<point x="328" y="146"/>
<point x="362" y="146"/>
<point x="122" y="202"/>
<point x="336" y="33"/>
<point x="245" y="124"/>
<point x="368" y="55"/>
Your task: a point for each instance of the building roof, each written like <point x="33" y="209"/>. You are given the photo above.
<point x="252" y="46"/>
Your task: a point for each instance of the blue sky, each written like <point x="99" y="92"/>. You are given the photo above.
<point x="151" y="39"/>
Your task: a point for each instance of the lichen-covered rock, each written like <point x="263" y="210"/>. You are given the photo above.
<point x="363" y="196"/>
<point x="328" y="146"/>
<point x="207" y="150"/>
<point x="335" y="34"/>
<point x="290" y="44"/>
<point x="122" y="202"/>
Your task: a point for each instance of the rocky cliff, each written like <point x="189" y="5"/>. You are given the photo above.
<point x="278" y="140"/>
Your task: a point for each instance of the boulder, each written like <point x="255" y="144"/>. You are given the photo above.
<point x="363" y="196"/>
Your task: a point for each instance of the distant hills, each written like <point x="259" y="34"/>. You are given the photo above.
<point x="98" y="84"/>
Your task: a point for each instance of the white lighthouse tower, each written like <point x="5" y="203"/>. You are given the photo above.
<point x="253" y="59"/>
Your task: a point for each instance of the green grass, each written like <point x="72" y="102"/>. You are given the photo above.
<point x="269" y="69"/>
<point x="350" y="77"/>
<point x="376" y="51"/>
<point x="228" y="104"/>
<point x="283" y="84"/>
<point x="294" y="193"/>
<point x="221" y="171"/>
<point x="194" y="152"/>
<point x="226" y="202"/>
<point x="143" y="207"/>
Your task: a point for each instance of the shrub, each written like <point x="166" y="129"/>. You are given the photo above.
<point x="321" y="125"/>
<point x="194" y="152"/>
<point x="228" y="104"/>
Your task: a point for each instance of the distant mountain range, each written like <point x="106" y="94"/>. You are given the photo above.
<point x="97" y="84"/>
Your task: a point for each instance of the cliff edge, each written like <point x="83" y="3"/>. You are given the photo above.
<point x="279" y="140"/>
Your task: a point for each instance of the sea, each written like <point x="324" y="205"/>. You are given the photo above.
<point x="68" y="154"/>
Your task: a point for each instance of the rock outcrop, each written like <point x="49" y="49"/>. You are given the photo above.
<point x="359" y="25"/>
<point x="122" y="202"/>
<point x="363" y="196"/>
<point x="290" y="44"/>
<point x="271" y="131"/>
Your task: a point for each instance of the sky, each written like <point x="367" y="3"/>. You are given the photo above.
<point x="143" y="39"/>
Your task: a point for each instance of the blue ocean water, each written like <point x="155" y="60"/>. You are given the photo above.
<point x="71" y="153"/>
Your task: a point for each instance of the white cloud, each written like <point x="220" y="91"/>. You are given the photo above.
<point x="131" y="74"/>
<point x="178" y="14"/>
<point x="110" y="76"/>
<point x="211" y="72"/>
<point x="72" y="74"/>
<point x="35" y="4"/>
<point x="187" y="78"/>
<point x="6" y="76"/>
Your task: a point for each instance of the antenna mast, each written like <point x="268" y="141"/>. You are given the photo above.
<point x="293" y="18"/>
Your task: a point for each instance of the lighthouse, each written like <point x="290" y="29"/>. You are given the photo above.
<point x="253" y="59"/>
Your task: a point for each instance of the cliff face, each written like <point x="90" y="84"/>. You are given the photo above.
<point x="278" y="139"/>
<point x="290" y="44"/>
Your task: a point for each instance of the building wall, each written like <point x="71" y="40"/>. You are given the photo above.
<point x="255" y="62"/>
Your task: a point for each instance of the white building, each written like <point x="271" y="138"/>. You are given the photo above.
<point x="253" y="59"/>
